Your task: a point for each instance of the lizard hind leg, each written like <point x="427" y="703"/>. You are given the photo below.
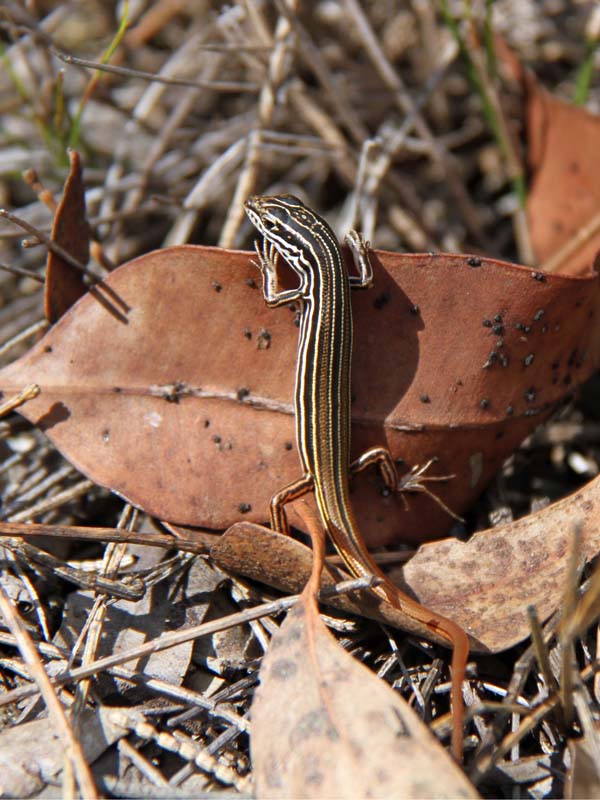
<point x="288" y="494"/>
<point x="382" y="458"/>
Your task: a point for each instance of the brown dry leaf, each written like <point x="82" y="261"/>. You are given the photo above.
<point x="563" y="196"/>
<point x="484" y="585"/>
<point x="563" y="203"/>
<point x="64" y="284"/>
<point x="174" y="387"/>
<point x="323" y="725"/>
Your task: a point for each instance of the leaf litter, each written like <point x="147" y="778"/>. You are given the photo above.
<point x="408" y="213"/>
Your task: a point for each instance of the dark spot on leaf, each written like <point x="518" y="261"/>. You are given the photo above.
<point x="487" y="323"/>
<point x="313" y="775"/>
<point x="498" y="329"/>
<point x="538" y="276"/>
<point x="538" y="314"/>
<point x="484" y="403"/>
<point x="251" y="283"/>
<point x="424" y="398"/>
<point x="48" y="349"/>
<point x="244" y="508"/>
<point x="414" y="310"/>
<point x="242" y="393"/>
<point x="473" y="261"/>
<point x="509" y="411"/>
<point x="530" y="394"/>
<point x="288" y="446"/>
<point x="247" y="333"/>
<point x="528" y="360"/>
<point x="106" y="435"/>
<point x="216" y="439"/>
<point x="206" y="423"/>
<point x="284" y="668"/>
<point x="498" y="318"/>
<point x="217" y="286"/>
<point x="263" y="341"/>
<point x="381" y="300"/>
<point x="315" y="724"/>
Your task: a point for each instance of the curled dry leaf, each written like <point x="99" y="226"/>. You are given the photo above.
<point x="563" y="203"/>
<point x="323" y="725"/>
<point x="64" y="283"/>
<point x="173" y="386"/>
<point x="484" y="585"/>
<point x="563" y="198"/>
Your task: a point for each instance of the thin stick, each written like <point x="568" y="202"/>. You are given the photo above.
<point x="72" y="746"/>
<point x="50" y="244"/>
<point x="217" y="86"/>
<point x="17" y="400"/>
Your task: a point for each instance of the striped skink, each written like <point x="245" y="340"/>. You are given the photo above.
<point x="322" y="398"/>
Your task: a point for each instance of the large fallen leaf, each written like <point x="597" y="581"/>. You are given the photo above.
<point x="484" y="585"/>
<point x="323" y="725"/>
<point x="174" y="385"/>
